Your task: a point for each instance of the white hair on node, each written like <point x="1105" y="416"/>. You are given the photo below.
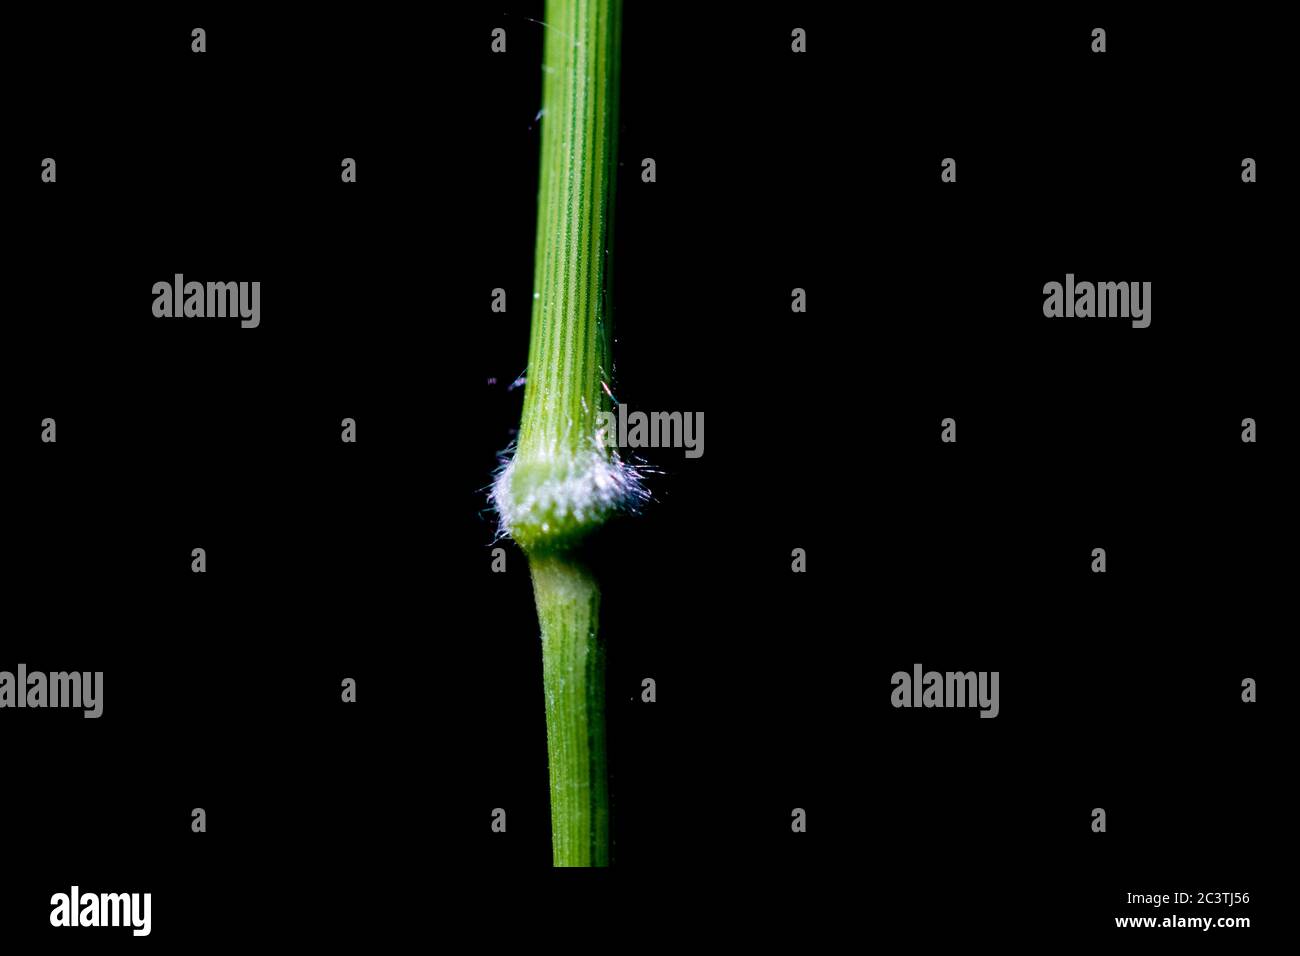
<point x="564" y="496"/>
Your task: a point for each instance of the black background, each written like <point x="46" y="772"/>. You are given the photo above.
<point x="370" y="822"/>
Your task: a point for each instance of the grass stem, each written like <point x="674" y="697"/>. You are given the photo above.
<point x="564" y="480"/>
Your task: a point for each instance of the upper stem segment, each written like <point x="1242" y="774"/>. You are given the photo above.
<point x="564" y="480"/>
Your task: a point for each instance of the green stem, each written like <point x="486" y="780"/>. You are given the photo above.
<point x="565" y="480"/>
<point x="573" y="673"/>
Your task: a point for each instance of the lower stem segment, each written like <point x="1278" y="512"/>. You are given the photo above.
<point x="573" y="673"/>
